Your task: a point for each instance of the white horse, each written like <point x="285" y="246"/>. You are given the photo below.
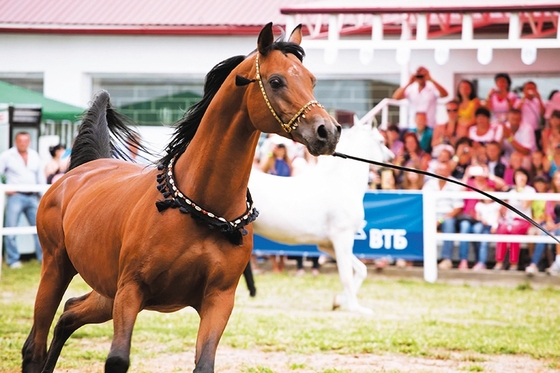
<point x="323" y="206"/>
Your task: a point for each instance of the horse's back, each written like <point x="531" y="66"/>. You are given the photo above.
<point x="84" y="214"/>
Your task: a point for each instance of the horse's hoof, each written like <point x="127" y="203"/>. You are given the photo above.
<point x="336" y="303"/>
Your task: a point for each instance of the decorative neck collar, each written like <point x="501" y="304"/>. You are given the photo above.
<point x="234" y="230"/>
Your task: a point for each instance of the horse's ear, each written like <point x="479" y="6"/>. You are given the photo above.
<point x="266" y="38"/>
<point x="296" y="37"/>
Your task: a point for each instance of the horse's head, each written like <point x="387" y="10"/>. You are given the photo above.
<point x="281" y="99"/>
<point x="365" y="141"/>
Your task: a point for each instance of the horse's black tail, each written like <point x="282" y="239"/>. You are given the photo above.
<point x="104" y="133"/>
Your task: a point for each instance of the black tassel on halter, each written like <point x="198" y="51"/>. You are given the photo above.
<point x="241" y="81"/>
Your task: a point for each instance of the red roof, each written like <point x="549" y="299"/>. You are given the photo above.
<point x="216" y="17"/>
<point x="417" y="6"/>
<point x="141" y="16"/>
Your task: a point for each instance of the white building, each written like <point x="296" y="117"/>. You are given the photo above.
<point x="359" y="50"/>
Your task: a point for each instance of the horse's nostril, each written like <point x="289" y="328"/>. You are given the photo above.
<point x="339" y="128"/>
<point x="322" y="132"/>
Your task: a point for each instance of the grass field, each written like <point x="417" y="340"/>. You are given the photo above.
<point x="291" y="315"/>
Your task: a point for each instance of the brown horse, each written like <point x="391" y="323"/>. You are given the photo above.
<point x="106" y="220"/>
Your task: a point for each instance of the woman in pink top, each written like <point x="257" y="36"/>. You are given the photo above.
<point x="484" y="131"/>
<point x="500" y="99"/>
<point x="512" y="223"/>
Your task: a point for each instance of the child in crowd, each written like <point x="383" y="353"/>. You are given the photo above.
<point x="540" y="183"/>
<point x="488" y="214"/>
<point x="513" y="223"/>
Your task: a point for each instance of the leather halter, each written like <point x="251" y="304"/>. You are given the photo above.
<point x="292" y="123"/>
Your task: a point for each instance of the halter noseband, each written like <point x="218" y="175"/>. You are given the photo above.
<point x="292" y="123"/>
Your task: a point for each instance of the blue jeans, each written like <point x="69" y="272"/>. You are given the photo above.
<point x="466" y="226"/>
<point x="448" y="226"/>
<point x="16" y="205"/>
<point x="540" y="247"/>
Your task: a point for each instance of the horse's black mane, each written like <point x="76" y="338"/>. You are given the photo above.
<point x="186" y="127"/>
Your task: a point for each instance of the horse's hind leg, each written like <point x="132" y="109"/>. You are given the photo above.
<point x="90" y="308"/>
<point x="250" y="280"/>
<point x="56" y="274"/>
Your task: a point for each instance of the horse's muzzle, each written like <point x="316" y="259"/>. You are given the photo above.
<point x="325" y="137"/>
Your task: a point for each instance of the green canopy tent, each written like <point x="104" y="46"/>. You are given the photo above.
<point x="164" y="109"/>
<point x="54" y="110"/>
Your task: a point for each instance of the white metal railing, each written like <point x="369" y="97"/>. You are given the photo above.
<point x="383" y="108"/>
<point x="6" y="188"/>
<point x="430" y="225"/>
<point x="429" y="218"/>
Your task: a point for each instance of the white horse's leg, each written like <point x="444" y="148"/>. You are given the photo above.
<point x="346" y="263"/>
<point x="360" y="272"/>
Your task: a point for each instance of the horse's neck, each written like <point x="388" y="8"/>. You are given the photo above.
<point x="348" y="173"/>
<point x="214" y="170"/>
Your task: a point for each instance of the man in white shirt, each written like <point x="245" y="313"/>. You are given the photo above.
<point x="446" y="209"/>
<point x="21" y="165"/>
<point x="518" y="136"/>
<point x="422" y="93"/>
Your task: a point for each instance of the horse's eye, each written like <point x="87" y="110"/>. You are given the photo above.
<point x="275" y="83"/>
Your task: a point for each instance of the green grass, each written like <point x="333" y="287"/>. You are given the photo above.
<point x="292" y="315"/>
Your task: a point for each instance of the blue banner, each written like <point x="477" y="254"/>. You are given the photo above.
<point x="393" y="226"/>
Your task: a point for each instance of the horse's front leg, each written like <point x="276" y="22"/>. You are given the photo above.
<point x="343" y="243"/>
<point x="127" y="305"/>
<point x="214" y="314"/>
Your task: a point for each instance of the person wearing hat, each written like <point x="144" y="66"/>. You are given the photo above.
<point x="500" y="98"/>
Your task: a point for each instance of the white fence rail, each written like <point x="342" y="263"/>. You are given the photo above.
<point x="430" y="225"/>
<point x="429" y="217"/>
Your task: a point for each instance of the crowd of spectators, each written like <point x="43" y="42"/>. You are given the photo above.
<point x="503" y="142"/>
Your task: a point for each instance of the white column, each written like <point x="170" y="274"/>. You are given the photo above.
<point x="421" y="26"/>
<point x="467" y="28"/>
<point x="514" y="27"/>
<point x="430" y="242"/>
<point x="290" y="23"/>
<point x="377" y="28"/>
<point x="333" y="34"/>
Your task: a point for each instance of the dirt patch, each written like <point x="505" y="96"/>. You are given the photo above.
<point x="231" y="360"/>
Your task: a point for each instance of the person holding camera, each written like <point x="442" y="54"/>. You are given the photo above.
<point x="532" y="108"/>
<point x="422" y="92"/>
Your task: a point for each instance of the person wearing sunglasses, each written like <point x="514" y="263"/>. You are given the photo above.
<point x="447" y="133"/>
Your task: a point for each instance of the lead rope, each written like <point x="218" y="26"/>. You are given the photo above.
<point x="426" y="173"/>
